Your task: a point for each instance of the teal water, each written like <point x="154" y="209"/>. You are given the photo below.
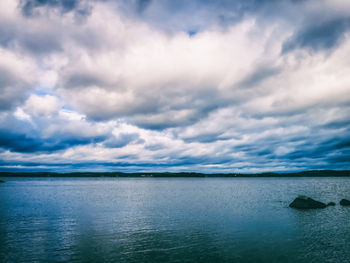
<point x="172" y="220"/>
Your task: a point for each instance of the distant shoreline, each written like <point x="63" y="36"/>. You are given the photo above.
<point x="314" y="173"/>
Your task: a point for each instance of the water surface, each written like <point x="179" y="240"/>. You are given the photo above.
<point x="172" y="220"/>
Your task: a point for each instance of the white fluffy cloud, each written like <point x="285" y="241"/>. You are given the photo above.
<point x="159" y="79"/>
<point x="46" y="105"/>
<point x="94" y="83"/>
<point x="17" y="77"/>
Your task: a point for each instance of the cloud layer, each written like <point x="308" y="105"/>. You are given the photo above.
<point x="208" y="86"/>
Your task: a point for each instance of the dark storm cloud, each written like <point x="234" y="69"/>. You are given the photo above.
<point x="13" y="89"/>
<point x="169" y="119"/>
<point x="36" y="42"/>
<point x="25" y="137"/>
<point x="41" y="43"/>
<point x="20" y="142"/>
<point x="165" y="121"/>
<point x="155" y="146"/>
<point x="80" y="80"/>
<point x="257" y="76"/>
<point x="337" y="124"/>
<point x="32" y="143"/>
<point x="328" y="151"/>
<point x="323" y="35"/>
<point x="156" y="75"/>
<point x="314" y="148"/>
<point x="29" y="7"/>
<point x="187" y="160"/>
<point x="120" y="140"/>
<point x="207" y="137"/>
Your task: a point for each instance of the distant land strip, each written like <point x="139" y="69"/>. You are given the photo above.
<point x="314" y="173"/>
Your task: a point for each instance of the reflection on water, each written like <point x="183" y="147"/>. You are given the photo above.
<point x="172" y="220"/>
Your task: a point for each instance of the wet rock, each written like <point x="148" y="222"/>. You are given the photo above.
<point x="1" y="181"/>
<point x="304" y="202"/>
<point x="345" y="202"/>
<point x="331" y="204"/>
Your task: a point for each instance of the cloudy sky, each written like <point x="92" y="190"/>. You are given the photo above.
<point x="163" y="85"/>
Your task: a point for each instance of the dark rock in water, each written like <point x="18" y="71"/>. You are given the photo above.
<point x="331" y="204"/>
<point x="1" y="181"/>
<point x="304" y="202"/>
<point x="345" y="202"/>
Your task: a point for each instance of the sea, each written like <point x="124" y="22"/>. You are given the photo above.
<point x="154" y="220"/>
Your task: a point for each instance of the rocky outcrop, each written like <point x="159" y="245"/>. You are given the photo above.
<point x="345" y="202"/>
<point x="1" y="181"/>
<point x="304" y="202"/>
<point x="331" y="204"/>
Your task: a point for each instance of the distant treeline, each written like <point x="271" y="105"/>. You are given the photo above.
<point x="318" y="173"/>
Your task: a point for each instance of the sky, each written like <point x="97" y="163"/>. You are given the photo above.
<point x="161" y="85"/>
